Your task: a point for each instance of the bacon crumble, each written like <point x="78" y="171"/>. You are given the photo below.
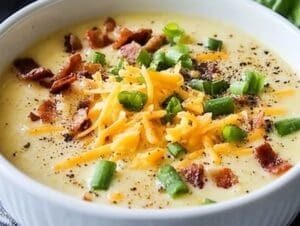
<point x="63" y="83"/>
<point x="72" y="43"/>
<point x="194" y="174"/>
<point x="141" y="36"/>
<point x="47" y="111"/>
<point x="270" y="161"/>
<point x="155" y="43"/>
<point x="130" y="52"/>
<point x="224" y="178"/>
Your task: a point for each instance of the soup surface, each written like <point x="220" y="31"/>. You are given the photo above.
<point x="187" y="119"/>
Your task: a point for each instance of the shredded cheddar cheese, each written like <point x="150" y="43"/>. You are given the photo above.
<point x="204" y="57"/>
<point x="45" y="129"/>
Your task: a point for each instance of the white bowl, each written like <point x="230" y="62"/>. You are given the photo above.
<point x="33" y="204"/>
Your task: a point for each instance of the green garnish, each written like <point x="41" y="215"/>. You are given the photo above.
<point x="209" y="87"/>
<point x="103" y="175"/>
<point x="97" y="58"/>
<point x="219" y="106"/>
<point x="173" y="32"/>
<point x="171" y="181"/>
<point x="207" y="201"/>
<point x="252" y="83"/>
<point x="214" y="44"/>
<point x="287" y="126"/>
<point x="159" y="61"/>
<point x="144" y="58"/>
<point x="132" y="100"/>
<point x="179" y="53"/>
<point x="116" y="69"/>
<point x="232" y="133"/>
<point x="176" y="149"/>
<point x="173" y="106"/>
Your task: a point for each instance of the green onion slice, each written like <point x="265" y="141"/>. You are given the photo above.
<point x="287" y="126"/>
<point x="207" y="201"/>
<point x="97" y="58"/>
<point x="214" y="44"/>
<point x="144" y="58"/>
<point x="171" y="181"/>
<point x="232" y="133"/>
<point x="173" y="106"/>
<point x="132" y="100"/>
<point x="173" y="32"/>
<point x="176" y="149"/>
<point x="219" y="106"/>
<point x="103" y="175"/>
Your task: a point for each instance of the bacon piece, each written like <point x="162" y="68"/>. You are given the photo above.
<point x="109" y="24"/>
<point x="258" y="120"/>
<point x="63" y="83"/>
<point x="25" y="65"/>
<point x="91" y="68"/>
<point x="130" y="52"/>
<point x="34" y="117"/>
<point x="80" y="120"/>
<point x="155" y="43"/>
<point x="140" y="36"/>
<point x="194" y="174"/>
<point x="270" y="161"/>
<point x="47" y="111"/>
<point x="97" y="38"/>
<point x="84" y="104"/>
<point x="73" y="64"/>
<point x="225" y="178"/>
<point x="28" y="69"/>
<point x="46" y="82"/>
<point x="72" y="43"/>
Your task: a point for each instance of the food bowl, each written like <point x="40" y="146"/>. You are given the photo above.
<point x="33" y="204"/>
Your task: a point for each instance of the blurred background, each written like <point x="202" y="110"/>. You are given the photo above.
<point x="7" y="7"/>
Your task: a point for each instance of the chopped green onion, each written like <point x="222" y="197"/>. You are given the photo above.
<point x="159" y="61"/>
<point x="232" y="133"/>
<point x="209" y="87"/>
<point x="207" y="201"/>
<point x="171" y="181"/>
<point x="179" y="53"/>
<point x="239" y="87"/>
<point x="115" y="70"/>
<point x="144" y="58"/>
<point x="176" y="149"/>
<point x="287" y="126"/>
<point x="97" y="58"/>
<point x="103" y="175"/>
<point x="132" y="100"/>
<point x="173" y="106"/>
<point x="214" y="44"/>
<point x="173" y="32"/>
<point x="218" y="87"/>
<point x="219" y="106"/>
<point x="255" y="81"/>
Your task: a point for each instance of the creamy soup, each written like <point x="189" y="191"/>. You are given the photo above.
<point x="184" y="111"/>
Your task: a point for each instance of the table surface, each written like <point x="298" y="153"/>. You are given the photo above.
<point x="7" y="8"/>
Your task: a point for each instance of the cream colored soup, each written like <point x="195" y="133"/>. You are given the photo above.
<point x="36" y="155"/>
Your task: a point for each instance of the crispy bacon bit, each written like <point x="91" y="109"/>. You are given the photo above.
<point x="28" y="69"/>
<point x="34" y="117"/>
<point x="155" y="43"/>
<point x="97" y="38"/>
<point x="109" y="24"/>
<point x="225" y="178"/>
<point x="130" y="52"/>
<point x="258" y="120"/>
<point x="91" y="68"/>
<point x="80" y="120"/>
<point x="88" y="197"/>
<point x="194" y="174"/>
<point x="83" y="104"/>
<point x="270" y="161"/>
<point x="63" y="83"/>
<point x="47" y="111"/>
<point x="24" y="66"/>
<point x="140" y="36"/>
<point x="84" y="74"/>
<point x="72" y="43"/>
<point x="73" y="64"/>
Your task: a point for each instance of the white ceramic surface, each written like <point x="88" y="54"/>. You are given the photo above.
<point x="33" y="204"/>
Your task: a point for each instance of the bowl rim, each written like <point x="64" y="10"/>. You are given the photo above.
<point x="54" y="197"/>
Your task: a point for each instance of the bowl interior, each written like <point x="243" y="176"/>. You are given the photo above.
<point x="43" y="17"/>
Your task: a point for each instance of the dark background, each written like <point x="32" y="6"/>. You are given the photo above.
<point x="7" y="7"/>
